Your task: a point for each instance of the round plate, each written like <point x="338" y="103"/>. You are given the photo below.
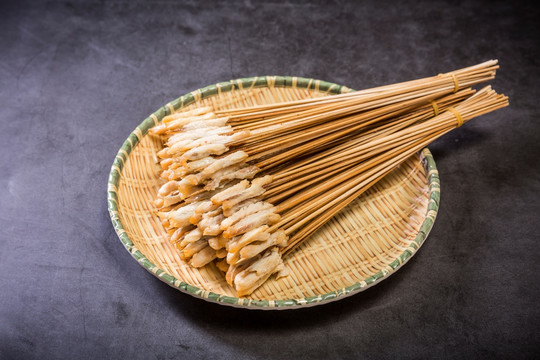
<point x="364" y="244"/>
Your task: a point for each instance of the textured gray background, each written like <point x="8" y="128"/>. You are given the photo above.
<point x="77" y="77"/>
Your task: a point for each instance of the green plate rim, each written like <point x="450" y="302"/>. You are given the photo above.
<point x="244" y="83"/>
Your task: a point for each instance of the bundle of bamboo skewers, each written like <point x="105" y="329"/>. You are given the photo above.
<point x="246" y="186"/>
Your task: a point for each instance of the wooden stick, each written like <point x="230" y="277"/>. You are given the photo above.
<point x="345" y="149"/>
<point x="332" y="202"/>
<point x="334" y="131"/>
<point x="473" y="73"/>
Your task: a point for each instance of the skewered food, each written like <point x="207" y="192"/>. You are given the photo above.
<point x="246" y="186"/>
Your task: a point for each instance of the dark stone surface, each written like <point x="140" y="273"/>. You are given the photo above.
<point x="77" y="77"/>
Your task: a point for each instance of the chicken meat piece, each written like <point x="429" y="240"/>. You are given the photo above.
<point x="169" y="200"/>
<point x="233" y="270"/>
<point x="239" y="206"/>
<point x="189" y="168"/>
<point x="198" y="165"/>
<point x="214" y="243"/>
<point x="245" y="211"/>
<point x="179" y="233"/>
<point x="173" y="174"/>
<point x="246" y="281"/>
<point x="234" y="158"/>
<point x="209" y="123"/>
<point x="166" y="163"/>
<point x="188" y="113"/>
<point x="257" y="234"/>
<point x="256" y="189"/>
<point x="210" y="224"/>
<point x="180" y="123"/>
<point x="193" y="247"/>
<point x="188" y="144"/>
<point x="221" y="253"/>
<point x="202" y="152"/>
<point x="231" y="173"/>
<point x="198" y="134"/>
<point x="192" y="236"/>
<point x="277" y="238"/>
<point x="206" y="206"/>
<point x="203" y="257"/>
<point x="199" y="197"/>
<point x="180" y="217"/>
<point x="167" y="188"/>
<point x="222" y="265"/>
<point x="230" y="192"/>
<point x="265" y="217"/>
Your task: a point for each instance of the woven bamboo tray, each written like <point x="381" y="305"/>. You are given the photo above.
<point x="362" y="245"/>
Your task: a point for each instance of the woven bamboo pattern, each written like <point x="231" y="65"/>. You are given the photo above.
<point x="363" y="244"/>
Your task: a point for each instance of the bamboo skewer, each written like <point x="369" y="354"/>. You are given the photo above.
<point x="480" y="103"/>
<point x="270" y="129"/>
<point x="465" y="77"/>
<point x="320" y="154"/>
<point x="347" y="153"/>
